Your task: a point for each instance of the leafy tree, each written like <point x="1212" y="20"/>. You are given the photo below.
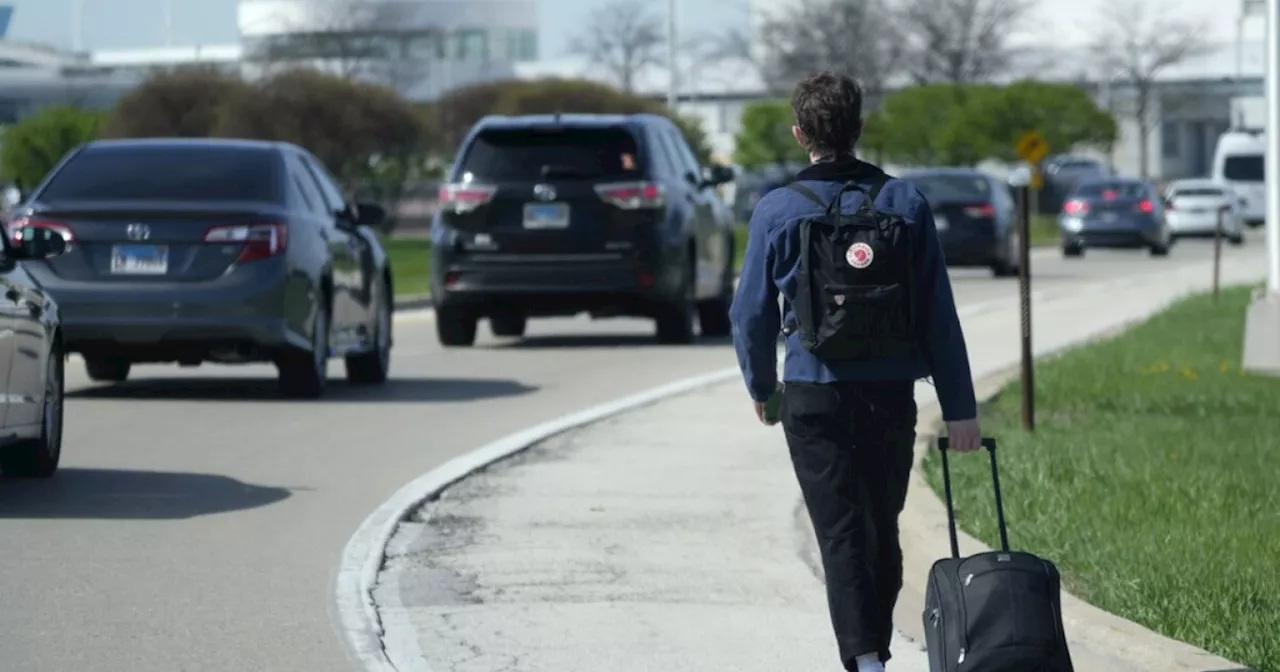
<point x="1062" y="113"/>
<point x="765" y="138"/>
<point x="33" y="146"/>
<point x="368" y="136"/>
<point x="182" y="102"/>
<point x="961" y="125"/>
<point x="457" y="111"/>
<point x="926" y="125"/>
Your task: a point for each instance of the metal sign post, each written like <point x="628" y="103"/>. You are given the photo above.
<point x="1024" y="307"/>
<point x="1033" y="149"/>
<point x="1217" y="252"/>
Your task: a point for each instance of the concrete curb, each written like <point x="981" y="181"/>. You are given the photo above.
<point x="412" y="302"/>
<point x="1099" y="640"/>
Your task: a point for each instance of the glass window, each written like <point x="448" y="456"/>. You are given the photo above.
<point x="328" y="186"/>
<point x="311" y="195"/>
<point x="680" y="150"/>
<point x="951" y="188"/>
<point x="666" y="163"/>
<point x="1197" y="191"/>
<point x="167" y="173"/>
<point x="1244" y="168"/>
<point x="528" y="154"/>
<point x="1171" y="139"/>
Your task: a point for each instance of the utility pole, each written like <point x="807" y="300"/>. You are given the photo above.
<point x="1262" y="323"/>
<point x="77" y="26"/>
<point x="168" y="23"/>
<point x="673" y="68"/>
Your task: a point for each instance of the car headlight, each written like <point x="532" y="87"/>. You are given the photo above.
<point x="1072" y="224"/>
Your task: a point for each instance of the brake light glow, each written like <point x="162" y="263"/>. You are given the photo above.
<point x="464" y="197"/>
<point x="984" y="210"/>
<point x="15" y="227"/>
<point x="632" y="195"/>
<point x="260" y="240"/>
<point x="1147" y="206"/>
<point x="1075" y="207"/>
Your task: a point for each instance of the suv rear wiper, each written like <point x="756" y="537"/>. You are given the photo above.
<point x="553" y="170"/>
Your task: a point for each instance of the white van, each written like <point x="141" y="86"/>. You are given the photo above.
<point x="1239" y="162"/>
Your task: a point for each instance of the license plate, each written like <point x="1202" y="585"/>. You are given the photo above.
<point x="940" y="223"/>
<point x="140" y="259"/>
<point x="546" y="216"/>
<point x="1110" y="217"/>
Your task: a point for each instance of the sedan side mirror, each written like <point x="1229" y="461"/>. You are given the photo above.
<point x="32" y="243"/>
<point x="371" y="215"/>
<point x="716" y="175"/>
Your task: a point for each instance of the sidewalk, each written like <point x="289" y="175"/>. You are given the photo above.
<point x="669" y="538"/>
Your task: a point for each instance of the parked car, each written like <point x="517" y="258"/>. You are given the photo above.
<point x="1194" y="207"/>
<point x="31" y="361"/>
<point x="1117" y="213"/>
<point x="557" y="215"/>
<point x="1239" y="162"/>
<point x="226" y="251"/>
<point x="975" y="217"/>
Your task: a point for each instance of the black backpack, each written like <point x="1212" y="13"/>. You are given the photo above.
<point x="855" y="295"/>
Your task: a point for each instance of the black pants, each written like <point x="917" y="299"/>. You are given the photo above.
<point x="851" y="444"/>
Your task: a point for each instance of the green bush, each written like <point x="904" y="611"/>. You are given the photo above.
<point x="32" y="147"/>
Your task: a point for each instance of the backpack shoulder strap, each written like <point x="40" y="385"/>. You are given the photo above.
<point x="808" y="193"/>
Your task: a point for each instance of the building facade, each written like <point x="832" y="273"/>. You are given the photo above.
<point x="419" y="47"/>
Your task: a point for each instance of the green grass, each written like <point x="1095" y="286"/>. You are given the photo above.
<point x="410" y="264"/>
<point x="1151" y="479"/>
<point x="1044" y="230"/>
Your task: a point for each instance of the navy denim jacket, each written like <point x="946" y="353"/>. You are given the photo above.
<point x="769" y="269"/>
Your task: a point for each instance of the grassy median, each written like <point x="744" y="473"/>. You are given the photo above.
<point x="1151" y="479"/>
<point x="410" y="264"/>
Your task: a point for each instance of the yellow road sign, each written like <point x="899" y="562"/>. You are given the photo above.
<point x="1032" y="147"/>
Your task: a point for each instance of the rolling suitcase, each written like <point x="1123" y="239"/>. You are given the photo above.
<point x="993" y="612"/>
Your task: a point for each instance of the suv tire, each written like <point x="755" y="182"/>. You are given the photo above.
<point x="456" y="328"/>
<point x="108" y="369"/>
<point x="675" y="317"/>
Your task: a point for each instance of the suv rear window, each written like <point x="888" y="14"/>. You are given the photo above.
<point x="951" y="188"/>
<point x="1117" y="189"/>
<point x="523" y="154"/>
<point x="1247" y="168"/>
<point x="132" y="173"/>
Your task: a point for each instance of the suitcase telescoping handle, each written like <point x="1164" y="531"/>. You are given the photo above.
<point x="944" y="445"/>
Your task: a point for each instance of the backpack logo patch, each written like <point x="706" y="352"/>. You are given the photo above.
<point x="859" y="255"/>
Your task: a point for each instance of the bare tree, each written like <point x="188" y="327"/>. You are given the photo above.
<point x="959" y="41"/>
<point x="1134" y="48"/>
<point x="857" y="38"/>
<point x="624" y="37"/>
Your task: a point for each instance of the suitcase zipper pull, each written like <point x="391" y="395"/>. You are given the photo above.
<point x="967" y="580"/>
<point x="961" y="660"/>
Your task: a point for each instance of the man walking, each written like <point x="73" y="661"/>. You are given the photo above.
<point x="868" y="310"/>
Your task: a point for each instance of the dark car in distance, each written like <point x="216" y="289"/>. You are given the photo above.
<point x="563" y="214"/>
<point x="225" y="251"/>
<point x="1114" y="213"/>
<point x="975" y="217"/>
<point x="31" y="359"/>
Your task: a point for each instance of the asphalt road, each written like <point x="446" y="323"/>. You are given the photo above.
<point x="198" y="519"/>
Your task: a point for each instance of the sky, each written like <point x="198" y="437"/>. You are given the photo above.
<point x="122" y="24"/>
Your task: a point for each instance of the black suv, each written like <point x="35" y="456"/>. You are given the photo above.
<point x="559" y="215"/>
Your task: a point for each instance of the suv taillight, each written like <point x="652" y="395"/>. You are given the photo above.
<point x="465" y="197"/>
<point x="632" y="195"/>
<point x="260" y="240"/>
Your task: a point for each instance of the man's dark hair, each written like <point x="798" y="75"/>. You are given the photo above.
<point x="828" y="109"/>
